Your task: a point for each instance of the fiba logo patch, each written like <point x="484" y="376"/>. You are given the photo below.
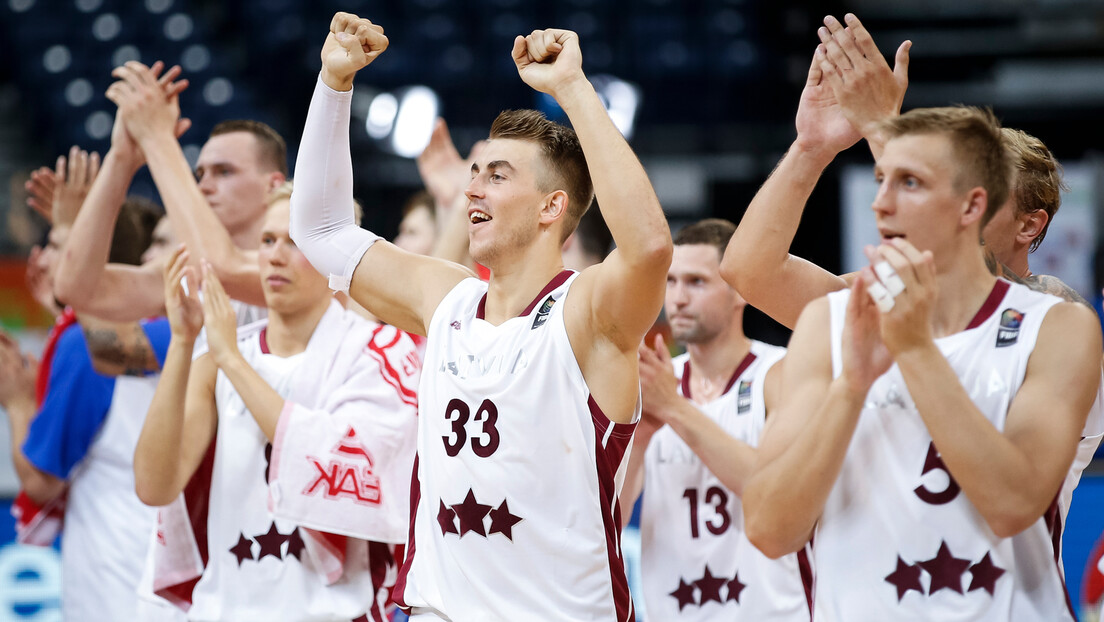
<point x="743" y="397"/>
<point x="1009" y="330"/>
<point x="542" y="313"/>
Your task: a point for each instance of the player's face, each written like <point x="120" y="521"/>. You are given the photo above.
<point x="289" y="281"/>
<point x="417" y="232"/>
<point x="231" y="178"/>
<point x="917" y="199"/>
<point x="700" y="305"/>
<point x="503" y="199"/>
<point x="164" y="240"/>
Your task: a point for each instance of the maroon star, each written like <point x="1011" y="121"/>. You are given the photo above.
<point x="710" y="587"/>
<point x="985" y="575"/>
<point x="270" y="543"/>
<point x="471" y="513"/>
<point x="243" y="550"/>
<point x="446" y="519"/>
<point x="905" y="578"/>
<point x="945" y="570"/>
<point x="295" y="545"/>
<point x="502" y="521"/>
<point x="684" y="594"/>
<point x="735" y="586"/>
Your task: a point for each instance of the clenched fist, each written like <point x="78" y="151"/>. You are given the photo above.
<point x="353" y="43"/>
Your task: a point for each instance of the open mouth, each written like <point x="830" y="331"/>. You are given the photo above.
<point x="477" y="216"/>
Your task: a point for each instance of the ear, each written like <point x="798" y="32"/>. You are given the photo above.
<point x="1031" y="225"/>
<point x="554" y="207"/>
<point x="275" y="180"/>
<point x="977" y="200"/>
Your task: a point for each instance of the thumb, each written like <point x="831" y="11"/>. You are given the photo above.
<point x="901" y="62"/>
<point x="182" y="125"/>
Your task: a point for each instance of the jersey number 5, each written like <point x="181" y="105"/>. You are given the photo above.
<point x="718" y="498"/>
<point x="483" y="443"/>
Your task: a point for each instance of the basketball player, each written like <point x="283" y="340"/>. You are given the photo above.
<point x="527" y="409"/>
<point x="697" y="563"/>
<point x="239" y="397"/>
<point x="216" y="210"/>
<point x="851" y="91"/>
<point x="923" y="440"/>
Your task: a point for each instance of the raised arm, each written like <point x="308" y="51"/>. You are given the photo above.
<point x="180" y="424"/>
<point x="152" y="117"/>
<point x="322" y="222"/>
<point x="17" y="381"/>
<point x="84" y="279"/>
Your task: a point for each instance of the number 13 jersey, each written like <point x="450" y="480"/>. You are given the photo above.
<point x="517" y="475"/>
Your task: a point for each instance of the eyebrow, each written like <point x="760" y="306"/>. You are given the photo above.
<point x="496" y="164"/>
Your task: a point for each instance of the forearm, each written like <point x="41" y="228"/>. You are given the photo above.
<point x="322" y="220"/>
<point x="729" y="458"/>
<point x="785" y="497"/>
<point x="158" y="456"/>
<point x="628" y="202"/>
<point x="259" y="397"/>
<point x="1000" y="479"/>
<point x="118" y="349"/>
<point x="40" y="486"/>
<point x="757" y="260"/>
<point x="82" y="262"/>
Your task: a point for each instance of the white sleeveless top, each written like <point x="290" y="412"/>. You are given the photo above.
<point x="898" y="539"/>
<point x="518" y="472"/>
<point x="696" y="560"/>
<point x="258" y="568"/>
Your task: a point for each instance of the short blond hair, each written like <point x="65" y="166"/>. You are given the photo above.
<point x="283" y="193"/>
<point x="1038" y="184"/>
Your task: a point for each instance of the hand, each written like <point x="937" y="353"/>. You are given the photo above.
<point x="40" y="189"/>
<point x="549" y="60"/>
<point x="39" y="283"/>
<point x="658" y="385"/>
<point x="73" y="178"/>
<point x="822" y="128"/>
<point x="17" y="377"/>
<point x="149" y="105"/>
<point x="220" y="318"/>
<point x="867" y="90"/>
<point x="864" y="355"/>
<point x="352" y="45"/>
<point x="444" y="173"/>
<point x="183" y="308"/>
<point x="907" y="325"/>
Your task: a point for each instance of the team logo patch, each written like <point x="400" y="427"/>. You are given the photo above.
<point x="743" y="397"/>
<point x="1009" y="330"/>
<point x="347" y="474"/>
<point x="542" y="313"/>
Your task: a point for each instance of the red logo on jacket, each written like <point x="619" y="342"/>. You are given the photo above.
<point x="348" y="474"/>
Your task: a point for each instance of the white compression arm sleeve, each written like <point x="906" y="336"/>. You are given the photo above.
<point x="323" y="224"/>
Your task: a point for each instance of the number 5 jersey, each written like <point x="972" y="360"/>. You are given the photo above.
<point x="517" y="475"/>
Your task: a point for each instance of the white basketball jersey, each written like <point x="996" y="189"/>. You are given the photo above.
<point x="103" y="548"/>
<point x="696" y="560"/>
<point x="518" y="472"/>
<point x="257" y="566"/>
<point x="898" y="539"/>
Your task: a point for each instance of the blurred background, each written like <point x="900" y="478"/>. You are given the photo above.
<point x="705" y="90"/>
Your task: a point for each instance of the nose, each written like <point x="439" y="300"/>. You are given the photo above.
<point x="474" y="189"/>
<point x="883" y="201"/>
<point x="279" y="255"/>
<point x="206" y="184"/>
<point x="676" y="294"/>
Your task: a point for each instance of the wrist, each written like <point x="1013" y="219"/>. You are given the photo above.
<point x="812" y="153"/>
<point x="851" y="390"/>
<point x="129" y="162"/>
<point x="20" y="407"/>
<point x="569" y="92"/>
<point x="336" y="82"/>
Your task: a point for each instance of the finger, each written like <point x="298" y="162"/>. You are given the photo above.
<point x="901" y="62"/>
<point x="156" y="68"/>
<point x="93" y="166"/>
<point x="118" y="92"/>
<point x="176" y="88"/>
<point x="815" y="73"/>
<point x="862" y="39"/>
<point x="78" y="161"/>
<point x="536" y="45"/>
<point x="60" y="167"/>
<point x="919" y="261"/>
<point x="172" y="74"/>
<point x="901" y="264"/>
<point x="845" y="38"/>
<point x="835" y="53"/>
<point x="183" y="124"/>
<point x="141" y="73"/>
<point x="828" y="69"/>
<point x="520" y="52"/>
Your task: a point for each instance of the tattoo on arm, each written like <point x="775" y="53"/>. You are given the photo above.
<point x="119" y="349"/>
<point x="1054" y="286"/>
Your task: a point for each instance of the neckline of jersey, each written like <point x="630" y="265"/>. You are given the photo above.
<point x="480" y="312"/>
<point x="749" y="358"/>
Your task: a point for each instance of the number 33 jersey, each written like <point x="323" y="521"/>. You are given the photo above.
<point x="696" y="562"/>
<point x="517" y="475"/>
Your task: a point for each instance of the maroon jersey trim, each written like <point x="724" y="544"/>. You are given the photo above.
<point x="740" y="369"/>
<point x="1000" y="288"/>
<point x="607" y="458"/>
<point x="1053" y="520"/>
<point x="264" y="341"/>
<point x="558" y="280"/>
<point x="400" y="584"/>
